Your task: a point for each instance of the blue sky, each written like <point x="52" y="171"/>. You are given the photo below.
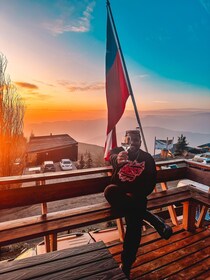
<point x="56" y="53"/>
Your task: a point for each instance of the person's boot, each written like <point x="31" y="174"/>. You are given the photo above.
<point x="164" y="230"/>
<point x="159" y="224"/>
<point x="126" y="270"/>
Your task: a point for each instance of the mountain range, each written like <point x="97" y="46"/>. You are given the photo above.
<point x="194" y="125"/>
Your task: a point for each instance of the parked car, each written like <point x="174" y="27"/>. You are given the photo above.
<point x="48" y="166"/>
<point x="66" y="164"/>
<point x="34" y="170"/>
<point x="203" y="158"/>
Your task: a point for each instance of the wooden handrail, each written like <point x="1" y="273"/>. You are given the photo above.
<point x="53" y="175"/>
<point x="83" y="185"/>
<point x="90" y="171"/>
<point x="80" y="182"/>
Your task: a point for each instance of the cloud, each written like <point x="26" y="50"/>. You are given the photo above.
<point x="138" y="77"/>
<point x="46" y="84"/>
<point x="26" y="85"/>
<point x="143" y="76"/>
<point x="72" y="87"/>
<point x="69" y="22"/>
<point x="160" y="101"/>
<point x="37" y="95"/>
<point x="31" y="90"/>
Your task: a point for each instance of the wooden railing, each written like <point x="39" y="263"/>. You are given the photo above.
<point x="49" y="187"/>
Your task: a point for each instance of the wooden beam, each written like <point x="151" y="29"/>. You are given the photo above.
<point x="52" y="192"/>
<point x="198" y="175"/>
<point x="189" y="212"/>
<point x="171" y="174"/>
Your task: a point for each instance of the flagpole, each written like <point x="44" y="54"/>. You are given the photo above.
<point x="127" y="76"/>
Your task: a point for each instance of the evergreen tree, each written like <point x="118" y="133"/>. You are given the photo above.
<point x="89" y="161"/>
<point x="81" y="163"/>
<point x="181" y="145"/>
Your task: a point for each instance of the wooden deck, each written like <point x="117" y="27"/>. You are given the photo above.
<point x="184" y="256"/>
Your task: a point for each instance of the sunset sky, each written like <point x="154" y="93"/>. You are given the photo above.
<point x="56" y="54"/>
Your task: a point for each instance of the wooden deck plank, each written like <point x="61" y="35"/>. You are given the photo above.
<point x="147" y="254"/>
<point x="197" y="271"/>
<point x="204" y="276"/>
<point x="79" y="272"/>
<point x="161" y="258"/>
<point x="155" y="241"/>
<point x="53" y="256"/>
<point x="65" y="264"/>
<point x="111" y="275"/>
<point x="92" y="261"/>
<point x="165" y="271"/>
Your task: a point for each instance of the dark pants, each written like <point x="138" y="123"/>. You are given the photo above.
<point x="134" y="210"/>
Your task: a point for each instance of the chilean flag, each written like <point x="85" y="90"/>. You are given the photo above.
<point x="117" y="91"/>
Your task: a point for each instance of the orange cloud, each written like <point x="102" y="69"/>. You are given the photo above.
<point x="46" y="84"/>
<point x="26" y="85"/>
<point x="82" y="87"/>
<point x="38" y="95"/>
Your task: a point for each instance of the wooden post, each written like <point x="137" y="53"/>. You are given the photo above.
<point x="53" y="242"/>
<point x="189" y="212"/>
<point x="44" y="211"/>
<point x="171" y="208"/>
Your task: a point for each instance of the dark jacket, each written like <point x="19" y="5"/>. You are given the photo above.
<point x="140" y="185"/>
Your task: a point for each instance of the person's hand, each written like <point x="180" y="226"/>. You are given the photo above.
<point x="122" y="157"/>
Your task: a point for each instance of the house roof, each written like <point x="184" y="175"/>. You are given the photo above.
<point x="50" y="142"/>
<point x="207" y="145"/>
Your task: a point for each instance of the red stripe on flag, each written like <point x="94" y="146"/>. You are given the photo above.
<point x="117" y="94"/>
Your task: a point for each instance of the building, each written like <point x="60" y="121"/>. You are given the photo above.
<point x="205" y="146"/>
<point x="51" y="147"/>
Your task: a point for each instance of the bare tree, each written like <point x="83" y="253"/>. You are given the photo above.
<point x="12" y="110"/>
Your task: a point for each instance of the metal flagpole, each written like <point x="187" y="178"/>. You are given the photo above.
<point x="126" y="75"/>
<point x="155" y="146"/>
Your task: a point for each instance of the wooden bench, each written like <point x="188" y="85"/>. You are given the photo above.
<point x="51" y="223"/>
<point x="36" y="226"/>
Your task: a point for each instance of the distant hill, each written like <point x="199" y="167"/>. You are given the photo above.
<point x="97" y="153"/>
<point x="195" y="126"/>
<point x="193" y="122"/>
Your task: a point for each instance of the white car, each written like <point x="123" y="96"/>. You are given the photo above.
<point x="66" y="164"/>
<point x="48" y="166"/>
<point x="203" y="158"/>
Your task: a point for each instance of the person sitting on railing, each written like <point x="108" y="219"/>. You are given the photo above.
<point x="133" y="179"/>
